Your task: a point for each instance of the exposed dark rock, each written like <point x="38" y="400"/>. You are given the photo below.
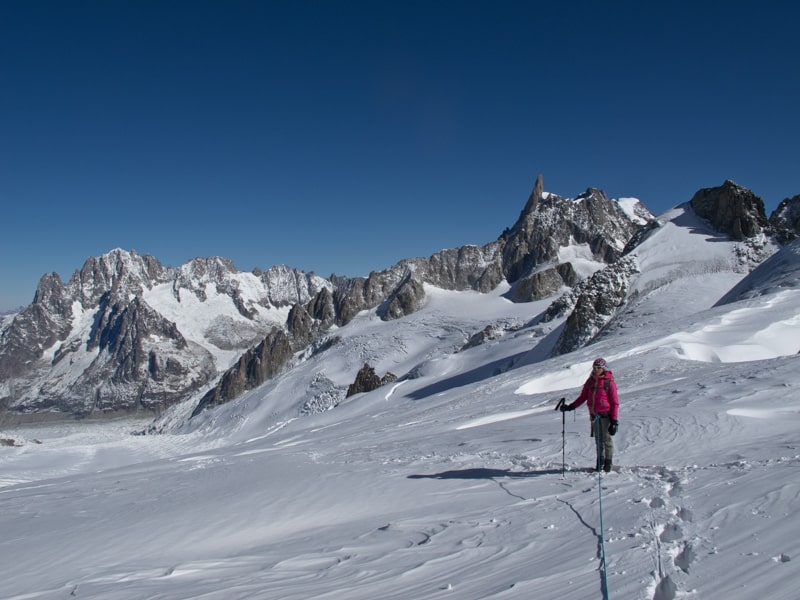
<point x="786" y="220"/>
<point x="542" y="284"/>
<point x="731" y="209"/>
<point x="322" y="309"/>
<point x="39" y="326"/>
<point x="116" y="272"/>
<point x="405" y="300"/>
<point x="300" y="325"/>
<point x="640" y="235"/>
<point x="143" y="361"/>
<point x="550" y="222"/>
<point x="287" y="286"/>
<point x="367" y="380"/>
<point x="476" y="268"/>
<point x="547" y="224"/>
<point x="595" y="302"/>
<point x="362" y="293"/>
<point x="198" y="273"/>
<point x="251" y="370"/>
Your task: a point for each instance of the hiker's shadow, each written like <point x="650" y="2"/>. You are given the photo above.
<point x="483" y="473"/>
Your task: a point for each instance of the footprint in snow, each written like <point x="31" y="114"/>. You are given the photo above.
<point x="685" y="558"/>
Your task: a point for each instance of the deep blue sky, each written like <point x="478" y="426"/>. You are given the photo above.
<point x="344" y="136"/>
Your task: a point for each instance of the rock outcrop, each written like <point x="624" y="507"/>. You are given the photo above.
<point x="591" y="305"/>
<point x="127" y="334"/>
<point x="786" y="219"/>
<point x="541" y="284"/>
<point x="405" y="300"/>
<point x="731" y="209"/>
<point x="549" y="223"/>
<point x="251" y="370"/>
<point x="527" y="256"/>
<point x="367" y="380"/>
<point x="98" y="345"/>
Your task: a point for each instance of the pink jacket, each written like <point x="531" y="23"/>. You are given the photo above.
<point x="600" y="400"/>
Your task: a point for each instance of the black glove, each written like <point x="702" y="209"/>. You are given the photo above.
<point x="567" y="407"/>
<point x="612" y="429"/>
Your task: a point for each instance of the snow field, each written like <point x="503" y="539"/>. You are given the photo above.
<point x="447" y="484"/>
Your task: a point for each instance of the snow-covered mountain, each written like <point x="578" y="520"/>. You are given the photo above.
<point x="457" y="479"/>
<point x="126" y="334"/>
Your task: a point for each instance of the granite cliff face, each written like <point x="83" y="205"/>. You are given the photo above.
<point x="528" y="256"/>
<point x="731" y="209"/>
<point x="786" y="219"/>
<point x="254" y="367"/>
<point x="738" y="212"/>
<point x="549" y="223"/>
<point x="127" y="334"/>
<point x="590" y="305"/>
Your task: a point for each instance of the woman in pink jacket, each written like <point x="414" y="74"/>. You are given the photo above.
<point x="600" y="394"/>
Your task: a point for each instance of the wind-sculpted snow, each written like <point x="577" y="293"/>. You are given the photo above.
<point x="447" y="484"/>
<point x="780" y="271"/>
<point x="458" y="480"/>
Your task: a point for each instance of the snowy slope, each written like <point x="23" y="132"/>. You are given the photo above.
<point x="449" y="484"/>
<point x="214" y="323"/>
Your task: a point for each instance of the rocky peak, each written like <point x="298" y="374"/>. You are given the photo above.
<point x="52" y="295"/>
<point x="37" y="327"/>
<point x="368" y="380"/>
<point x="731" y="209"/>
<point x="139" y="358"/>
<point x="198" y="273"/>
<point x="533" y="200"/>
<point x="206" y="270"/>
<point x="406" y="299"/>
<point x="786" y="219"/>
<point x="287" y="286"/>
<point x="253" y="368"/>
<point x="118" y="271"/>
<point x="120" y="325"/>
<point x="550" y="222"/>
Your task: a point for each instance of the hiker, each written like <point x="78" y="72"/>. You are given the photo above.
<point x="600" y="394"/>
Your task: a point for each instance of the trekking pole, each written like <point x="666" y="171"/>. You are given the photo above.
<point x="563" y="461"/>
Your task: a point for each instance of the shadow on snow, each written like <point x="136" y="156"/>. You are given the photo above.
<point x="483" y="473"/>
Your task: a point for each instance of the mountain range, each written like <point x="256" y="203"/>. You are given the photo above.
<point x="126" y="335"/>
<point x="421" y="456"/>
